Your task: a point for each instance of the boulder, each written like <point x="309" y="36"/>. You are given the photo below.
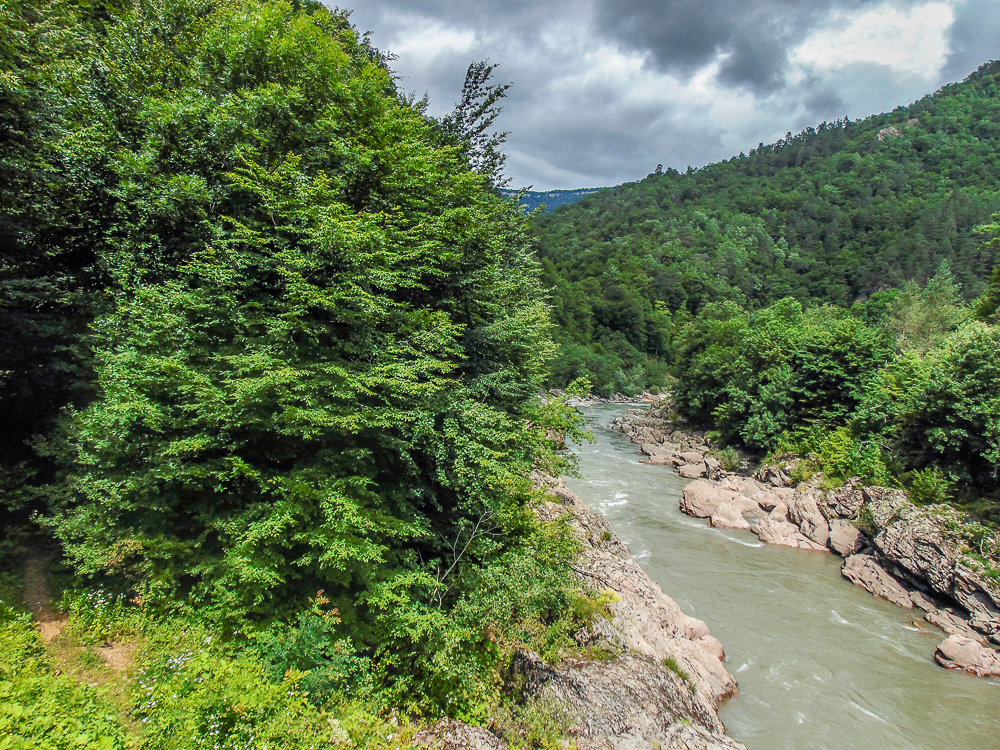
<point x="968" y="655"/>
<point x="692" y="471"/>
<point x="693" y="457"/>
<point x="864" y="571"/>
<point x="449" y="734"/>
<point x="777" y="531"/>
<point x="702" y="498"/>
<point x="733" y="515"/>
<point x="845" y="540"/>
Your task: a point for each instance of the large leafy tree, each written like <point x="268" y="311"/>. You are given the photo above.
<point x="326" y="337"/>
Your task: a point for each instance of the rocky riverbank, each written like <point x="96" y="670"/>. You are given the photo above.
<point x="615" y="398"/>
<point x="926" y="558"/>
<point x="660" y="677"/>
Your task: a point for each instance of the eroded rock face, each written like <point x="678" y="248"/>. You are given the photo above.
<point x="952" y="624"/>
<point x="845" y="539"/>
<point x="645" y="620"/>
<point x="864" y="571"/>
<point x="804" y="512"/>
<point x="843" y="502"/>
<point x="630" y="702"/>
<point x="449" y="734"/>
<point x="968" y="655"/>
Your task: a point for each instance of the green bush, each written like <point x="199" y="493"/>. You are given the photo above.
<point x="930" y="485"/>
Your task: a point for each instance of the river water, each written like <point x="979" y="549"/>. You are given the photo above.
<point x="821" y="664"/>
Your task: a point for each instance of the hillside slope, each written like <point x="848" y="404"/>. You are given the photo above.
<point x="832" y="214"/>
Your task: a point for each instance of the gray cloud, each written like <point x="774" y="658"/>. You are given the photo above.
<point x="606" y="89"/>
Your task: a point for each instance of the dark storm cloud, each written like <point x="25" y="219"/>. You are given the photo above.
<point x="975" y="37"/>
<point x="606" y="89"/>
<point x="682" y="35"/>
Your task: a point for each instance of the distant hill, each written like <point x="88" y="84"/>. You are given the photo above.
<point x="832" y="214"/>
<point x="551" y="199"/>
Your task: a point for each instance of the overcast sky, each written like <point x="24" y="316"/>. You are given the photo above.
<point x="604" y="90"/>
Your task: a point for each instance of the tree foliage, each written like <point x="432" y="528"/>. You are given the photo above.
<point x="315" y="334"/>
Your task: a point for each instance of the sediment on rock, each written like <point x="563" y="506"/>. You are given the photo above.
<point x="909" y="555"/>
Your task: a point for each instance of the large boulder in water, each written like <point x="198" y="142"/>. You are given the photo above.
<point x="968" y="655"/>
<point x="703" y="498"/>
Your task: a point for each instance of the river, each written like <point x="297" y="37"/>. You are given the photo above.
<point x="821" y="664"/>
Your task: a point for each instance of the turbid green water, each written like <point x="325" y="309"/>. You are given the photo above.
<point x="821" y="664"/>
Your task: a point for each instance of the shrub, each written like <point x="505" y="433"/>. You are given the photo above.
<point x="930" y="485"/>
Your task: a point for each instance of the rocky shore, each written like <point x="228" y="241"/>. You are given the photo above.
<point x="615" y="398"/>
<point x="924" y="558"/>
<point x="660" y="677"/>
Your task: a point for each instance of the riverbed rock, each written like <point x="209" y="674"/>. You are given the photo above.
<point x="693" y="457"/>
<point x="952" y="624"/>
<point x="845" y="539"/>
<point x="864" y="571"/>
<point x="702" y="498"/>
<point x="968" y="655"/>
<point x="693" y="471"/>
<point x="449" y="734"/>
<point x="779" y="531"/>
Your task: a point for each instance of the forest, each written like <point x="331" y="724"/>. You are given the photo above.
<point x="829" y="216"/>
<point x="272" y="345"/>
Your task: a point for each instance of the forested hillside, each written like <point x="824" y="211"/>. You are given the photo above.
<point x="830" y="215"/>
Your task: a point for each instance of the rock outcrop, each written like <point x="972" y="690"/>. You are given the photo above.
<point x="911" y="556"/>
<point x="449" y="734"/>
<point x="634" y="700"/>
<point x="864" y="571"/>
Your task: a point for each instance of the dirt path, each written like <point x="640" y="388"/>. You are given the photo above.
<point x="38" y="598"/>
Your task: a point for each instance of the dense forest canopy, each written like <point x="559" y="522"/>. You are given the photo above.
<point x="269" y="330"/>
<point x="831" y="215"/>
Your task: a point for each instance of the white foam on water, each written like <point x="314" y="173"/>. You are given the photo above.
<point x="866" y="712"/>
